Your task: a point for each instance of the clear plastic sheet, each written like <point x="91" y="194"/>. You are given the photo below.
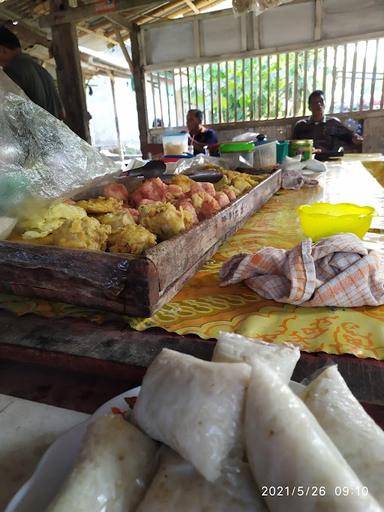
<point x="40" y="155"/>
<point x="191" y="165"/>
<point x="256" y="6"/>
<point x="198" y="162"/>
<point x="245" y="137"/>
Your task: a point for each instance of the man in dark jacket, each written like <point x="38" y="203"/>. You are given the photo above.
<point x="328" y="133"/>
<point x="32" y="78"/>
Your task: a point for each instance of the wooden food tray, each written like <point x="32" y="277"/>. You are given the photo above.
<point x="123" y="283"/>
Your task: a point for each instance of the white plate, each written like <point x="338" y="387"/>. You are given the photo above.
<point x="36" y="494"/>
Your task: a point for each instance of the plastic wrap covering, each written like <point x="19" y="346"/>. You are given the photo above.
<point x="204" y="162"/>
<point x="256" y="6"/>
<point x="40" y="155"/>
<point x="191" y="165"/>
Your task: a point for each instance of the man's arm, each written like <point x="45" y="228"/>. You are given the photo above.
<point x="343" y="133"/>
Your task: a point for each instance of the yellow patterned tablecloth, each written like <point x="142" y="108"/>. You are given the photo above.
<point x="204" y="308"/>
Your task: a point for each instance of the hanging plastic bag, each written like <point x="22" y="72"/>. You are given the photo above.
<point x="255" y="6"/>
<point x="39" y="155"/>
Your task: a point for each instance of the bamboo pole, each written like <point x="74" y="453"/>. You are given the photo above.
<point x="121" y="151"/>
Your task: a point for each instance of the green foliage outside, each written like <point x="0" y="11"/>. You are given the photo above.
<point x="266" y="87"/>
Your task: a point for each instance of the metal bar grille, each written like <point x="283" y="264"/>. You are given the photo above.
<point x="269" y="86"/>
<point x="371" y="103"/>
<point x="219" y="92"/>
<point x="305" y="81"/>
<point x="243" y="88"/>
<point x="344" y="76"/>
<point x="251" y="92"/>
<point x="334" y="71"/>
<point x="226" y="83"/>
<point x="182" y="95"/>
<point x="277" y="86"/>
<point x="363" y="77"/>
<point x="260" y="88"/>
<point x="295" y="93"/>
<point x="286" y="84"/>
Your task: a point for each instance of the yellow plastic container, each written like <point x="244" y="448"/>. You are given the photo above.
<point x="320" y="220"/>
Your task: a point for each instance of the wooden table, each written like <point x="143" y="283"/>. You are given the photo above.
<point x="77" y="364"/>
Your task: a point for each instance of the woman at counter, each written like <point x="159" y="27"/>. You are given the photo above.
<point x="200" y="136"/>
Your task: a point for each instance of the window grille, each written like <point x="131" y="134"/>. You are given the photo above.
<point x="267" y="87"/>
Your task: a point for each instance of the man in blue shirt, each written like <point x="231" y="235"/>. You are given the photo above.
<point x="200" y="136"/>
<point x="32" y="78"/>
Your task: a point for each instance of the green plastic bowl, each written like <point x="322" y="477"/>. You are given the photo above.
<point x="320" y="220"/>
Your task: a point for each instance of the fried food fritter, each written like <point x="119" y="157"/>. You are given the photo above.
<point x="174" y="194"/>
<point x="84" y="233"/>
<point x="205" y="205"/>
<point x="117" y="220"/>
<point x="101" y="205"/>
<point x="222" y="199"/>
<point x="153" y="189"/>
<point x="133" y="239"/>
<point x="42" y="223"/>
<point x="183" y="182"/>
<point x="232" y="176"/>
<point x="164" y="219"/>
<point x="116" y="190"/>
<point x="187" y="206"/>
<point x="242" y="185"/>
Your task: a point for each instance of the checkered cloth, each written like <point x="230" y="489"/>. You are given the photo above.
<point x="335" y="271"/>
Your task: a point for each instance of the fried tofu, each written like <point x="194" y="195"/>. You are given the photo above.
<point x="164" y="219"/>
<point x="101" y="205"/>
<point x="117" y="220"/>
<point x="132" y="239"/>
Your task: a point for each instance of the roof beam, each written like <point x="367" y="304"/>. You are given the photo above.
<point x="192" y="6"/>
<point x="25" y="28"/>
<point x="86" y="30"/>
<point x="27" y="31"/>
<point x="100" y="8"/>
<point x="124" y="49"/>
<point x="117" y="19"/>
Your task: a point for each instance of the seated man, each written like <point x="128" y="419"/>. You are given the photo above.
<point x="328" y="133"/>
<point x="200" y="136"/>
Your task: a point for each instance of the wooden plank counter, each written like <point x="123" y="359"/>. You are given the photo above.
<point x="112" y="357"/>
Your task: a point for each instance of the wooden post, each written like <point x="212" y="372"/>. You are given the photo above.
<point x="112" y="80"/>
<point x="69" y="76"/>
<point x="139" y="82"/>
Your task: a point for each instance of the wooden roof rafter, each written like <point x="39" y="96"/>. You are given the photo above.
<point x="84" y="12"/>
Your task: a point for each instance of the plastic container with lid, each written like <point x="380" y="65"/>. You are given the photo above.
<point x="281" y="150"/>
<point x="264" y="155"/>
<point x="237" y="154"/>
<point x="301" y="147"/>
<point x="175" y="143"/>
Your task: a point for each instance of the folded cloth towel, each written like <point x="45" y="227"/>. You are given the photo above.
<point x="335" y="271"/>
